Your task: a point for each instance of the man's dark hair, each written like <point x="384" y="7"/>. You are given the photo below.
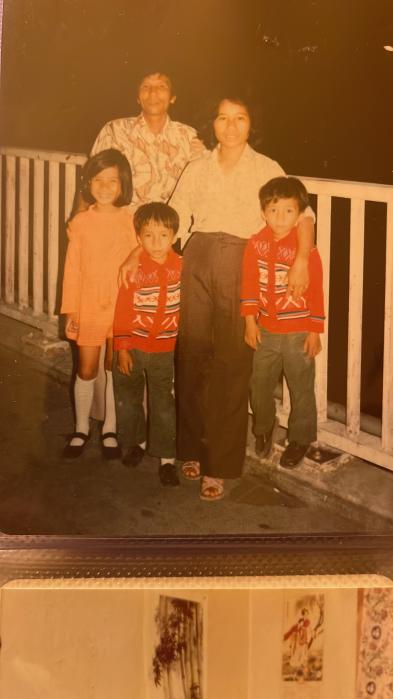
<point x="283" y="188"/>
<point x="155" y="71"/>
<point x="156" y="211"/>
<point x="102" y="160"/>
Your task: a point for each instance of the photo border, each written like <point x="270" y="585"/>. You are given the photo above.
<point x="38" y="557"/>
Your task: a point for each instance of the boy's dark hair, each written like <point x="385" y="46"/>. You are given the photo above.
<point x="283" y="188"/>
<point x="107" y="158"/>
<point x="159" y="212"/>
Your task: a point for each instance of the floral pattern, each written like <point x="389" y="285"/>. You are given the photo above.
<point x="375" y="660"/>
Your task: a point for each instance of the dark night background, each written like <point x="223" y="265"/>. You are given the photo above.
<point x="316" y="70"/>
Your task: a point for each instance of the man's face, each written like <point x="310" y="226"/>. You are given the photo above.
<point x="155" y="94"/>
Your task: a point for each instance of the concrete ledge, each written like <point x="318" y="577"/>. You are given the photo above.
<point x="342" y="484"/>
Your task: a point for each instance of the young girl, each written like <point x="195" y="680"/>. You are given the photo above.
<point x="100" y="239"/>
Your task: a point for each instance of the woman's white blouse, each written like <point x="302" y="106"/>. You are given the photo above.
<point x="217" y="201"/>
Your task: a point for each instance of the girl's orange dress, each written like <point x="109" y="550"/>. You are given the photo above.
<point x="98" y="244"/>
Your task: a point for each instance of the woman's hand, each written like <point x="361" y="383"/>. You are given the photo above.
<point x="298" y="278"/>
<point x="252" y="335"/>
<point x="129" y="268"/>
<point x="312" y="345"/>
<point x="124" y="362"/>
<point x="72" y="325"/>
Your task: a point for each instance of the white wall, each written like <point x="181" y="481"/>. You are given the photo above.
<point x="87" y="643"/>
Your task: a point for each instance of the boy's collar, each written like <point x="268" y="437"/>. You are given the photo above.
<point x="270" y="233"/>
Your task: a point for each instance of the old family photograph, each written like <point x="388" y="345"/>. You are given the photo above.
<point x="194" y="244"/>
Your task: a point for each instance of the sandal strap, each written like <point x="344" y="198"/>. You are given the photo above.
<point x="211" y="483"/>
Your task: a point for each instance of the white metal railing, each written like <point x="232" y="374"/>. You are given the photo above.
<point x="37" y="198"/>
<point x="39" y="191"/>
<point x="349" y="436"/>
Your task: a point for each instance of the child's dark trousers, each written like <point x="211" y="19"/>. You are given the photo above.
<point x="280" y="353"/>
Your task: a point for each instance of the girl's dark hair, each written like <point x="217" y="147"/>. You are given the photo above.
<point x="102" y="160"/>
<point x="156" y="211"/>
<point x="283" y="188"/>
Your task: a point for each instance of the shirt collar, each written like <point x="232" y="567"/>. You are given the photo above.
<point x="145" y="130"/>
<point x="245" y="157"/>
<point x="147" y="260"/>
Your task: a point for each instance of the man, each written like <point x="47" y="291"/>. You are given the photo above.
<point x="156" y="147"/>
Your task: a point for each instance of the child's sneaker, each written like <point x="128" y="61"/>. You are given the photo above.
<point x="167" y="474"/>
<point x="134" y="456"/>
<point x="293" y="454"/>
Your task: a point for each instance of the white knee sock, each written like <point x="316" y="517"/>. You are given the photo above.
<point x="83" y="392"/>
<point x="167" y="461"/>
<point x="110" y="411"/>
<point x="98" y="405"/>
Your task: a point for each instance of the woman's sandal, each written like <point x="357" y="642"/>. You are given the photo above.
<point x="72" y="451"/>
<point x="191" y="470"/>
<point x="214" y="486"/>
<point x="110" y="452"/>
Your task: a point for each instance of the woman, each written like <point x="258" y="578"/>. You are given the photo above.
<point x="219" y="193"/>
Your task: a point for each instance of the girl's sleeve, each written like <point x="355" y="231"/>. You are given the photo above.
<point x="249" y="295"/>
<point x="122" y="336"/>
<point x="72" y="271"/>
<point x="181" y="201"/>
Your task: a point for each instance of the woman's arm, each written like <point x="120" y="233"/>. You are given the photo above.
<point x="181" y="201"/>
<point x="298" y="276"/>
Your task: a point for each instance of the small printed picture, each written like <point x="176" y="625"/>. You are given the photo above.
<point x="177" y="661"/>
<point x="302" y="657"/>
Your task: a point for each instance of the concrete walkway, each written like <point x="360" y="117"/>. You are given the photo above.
<point x="40" y="493"/>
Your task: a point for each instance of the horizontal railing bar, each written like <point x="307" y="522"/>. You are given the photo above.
<point x="368" y="191"/>
<point x="371" y="191"/>
<point x="49" y="155"/>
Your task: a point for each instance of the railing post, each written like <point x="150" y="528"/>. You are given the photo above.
<point x="69" y="194"/>
<point x="355" y="316"/>
<point x="9" y="289"/>
<point x="38" y="237"/>
<point x="23" y="251"/>
<point x="324" y="209"/>
<point x="53" y="235"/>
<point x="387" y="399"/>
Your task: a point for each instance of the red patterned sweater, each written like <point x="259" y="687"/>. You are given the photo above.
<point x="147" y="313"/>
<point x="265" y="265"/>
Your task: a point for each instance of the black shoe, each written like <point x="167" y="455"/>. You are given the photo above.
<point x="134" y="456"/>
<point x="168" y="474"/>
<point x="263" y="443"/>
<point x="72" y="451"/>
<point x="293" y="454"/>
<point x="110" y="453"/>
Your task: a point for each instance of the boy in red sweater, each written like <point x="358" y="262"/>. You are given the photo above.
<point x="145" y="330"/>
<point x="284" y="333"/>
